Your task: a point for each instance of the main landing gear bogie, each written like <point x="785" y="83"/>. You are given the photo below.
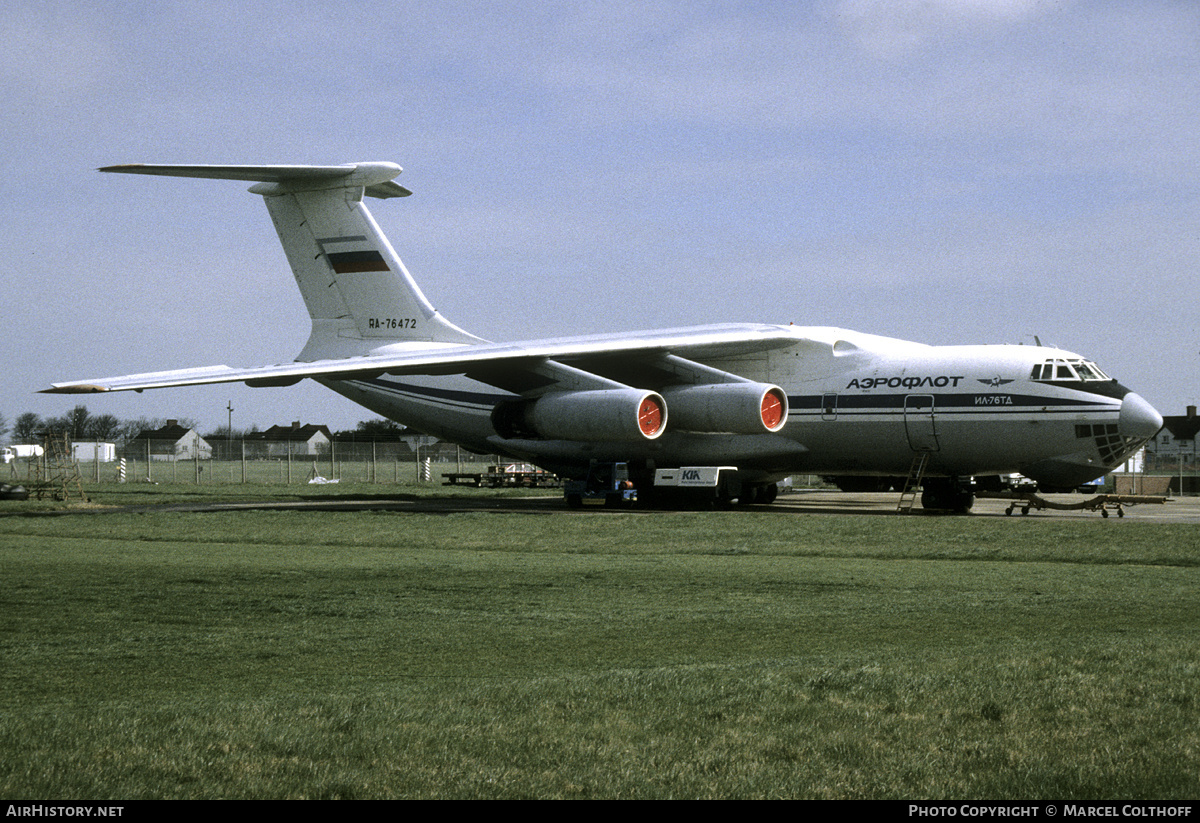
<point x="759" y="494"/>
<point x="947" y="494"/>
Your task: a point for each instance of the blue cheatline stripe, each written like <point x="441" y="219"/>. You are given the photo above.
<point x="874" y="405"/>
<point x="982" y="402"/>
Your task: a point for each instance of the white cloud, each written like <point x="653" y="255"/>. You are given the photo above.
<point x="892" y="28"/>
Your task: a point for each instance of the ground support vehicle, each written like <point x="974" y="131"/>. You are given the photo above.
<point x="497" y="477"/>
<point x="698" y="486"/>
<point x="1103" y="503"/>
<point x="606" y="483"/>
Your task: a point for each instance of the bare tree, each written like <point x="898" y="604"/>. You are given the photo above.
<point x="102" y="427"/>
<point x="130" y="429"/>
<point x="379" y="426"/>
<point x="27" y="428"/>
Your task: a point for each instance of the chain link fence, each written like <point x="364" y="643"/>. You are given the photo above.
<point x="358" y="461"/>
<point x="248" y="461"/>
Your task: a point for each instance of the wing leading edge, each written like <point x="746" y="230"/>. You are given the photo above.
<point x="487" y="362"/>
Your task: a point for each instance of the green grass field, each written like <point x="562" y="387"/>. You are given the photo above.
<point x="535" y="653"/>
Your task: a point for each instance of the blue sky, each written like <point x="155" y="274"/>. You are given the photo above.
<point x="947" y="171"/>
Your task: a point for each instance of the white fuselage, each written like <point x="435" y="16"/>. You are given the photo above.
<point x="865" y="405"/>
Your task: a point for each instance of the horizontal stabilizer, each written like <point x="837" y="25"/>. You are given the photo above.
<point x="374" y="177"/>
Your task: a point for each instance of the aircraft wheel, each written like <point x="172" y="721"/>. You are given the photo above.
<point x="947" y="497"/>
<point x="759" y="494"/>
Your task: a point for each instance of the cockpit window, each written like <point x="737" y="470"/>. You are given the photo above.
<point x="1073" y="370"/>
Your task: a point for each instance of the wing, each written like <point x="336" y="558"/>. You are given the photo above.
<point x="529" y="368"/>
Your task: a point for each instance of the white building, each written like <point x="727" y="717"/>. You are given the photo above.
<point x="171" y="442"/>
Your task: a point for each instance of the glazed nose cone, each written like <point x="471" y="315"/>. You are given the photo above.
<point x="1138" y="418"/>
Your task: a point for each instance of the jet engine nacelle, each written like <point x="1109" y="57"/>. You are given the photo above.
<point x="607" y="414"/>
<point x="740" y="408"/>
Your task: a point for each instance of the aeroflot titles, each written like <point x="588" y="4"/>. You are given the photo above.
<point x="905" y="382"/>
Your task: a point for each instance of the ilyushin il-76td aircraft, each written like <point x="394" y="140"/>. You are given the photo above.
<point x="770" y="400"/>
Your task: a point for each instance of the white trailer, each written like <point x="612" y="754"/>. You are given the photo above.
<point x="691" y="477"/>
<point x="10" y="453"/>
<point x="94" y="452"/>
<point x="697" y="484"/>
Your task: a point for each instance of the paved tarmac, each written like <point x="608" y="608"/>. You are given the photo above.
<point x="1173" y="510"/>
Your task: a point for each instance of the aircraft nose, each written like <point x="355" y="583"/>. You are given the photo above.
<point x="1138" y="419"/>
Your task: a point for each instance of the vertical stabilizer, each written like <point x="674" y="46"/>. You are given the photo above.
<point x="359" y="295"/>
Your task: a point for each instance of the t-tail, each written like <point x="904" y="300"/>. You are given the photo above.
<point x="361" y="298"/>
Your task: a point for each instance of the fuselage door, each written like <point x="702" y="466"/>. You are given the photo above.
<point x="829" y="406"/>
<point x="919" y="422"/>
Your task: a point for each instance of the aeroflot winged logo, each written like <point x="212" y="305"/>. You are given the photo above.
<point x="994" y="381"/>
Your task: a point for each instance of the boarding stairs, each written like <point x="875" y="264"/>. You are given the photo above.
<point x="56" y="472"/>
<point x="912" y="483"/>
